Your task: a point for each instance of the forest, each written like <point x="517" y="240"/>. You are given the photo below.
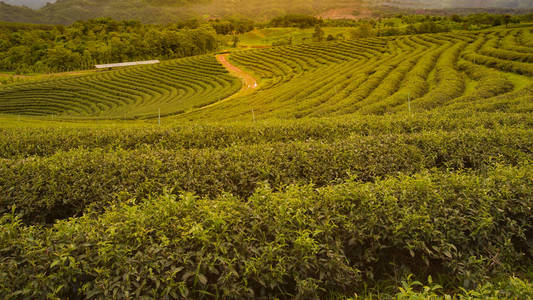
<point x="44" y="49"/>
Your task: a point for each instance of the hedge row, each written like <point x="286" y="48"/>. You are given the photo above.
<point x="490" y="83"/>
<point x="24" y="142"/>
<point x="60" y="186"/>
<point x="501" y="64"/>
<point x="303" y="243"/>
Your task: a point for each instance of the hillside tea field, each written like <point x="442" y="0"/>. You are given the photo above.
<point x="387" y="167"/>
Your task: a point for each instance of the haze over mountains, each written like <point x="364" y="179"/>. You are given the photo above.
<point x="152" y="11"/>
<point x="517" y="4"/>
<point x="29" y="3"/>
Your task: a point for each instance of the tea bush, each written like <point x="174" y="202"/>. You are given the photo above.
<point x="62" y="185"/>
<point x="24" y="142"/>
<point x="303" y="242"/>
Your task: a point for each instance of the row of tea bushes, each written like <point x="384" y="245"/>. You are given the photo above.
<point x="24" y="142"/>
<point x="304" y="242"/>
<point x="63" y="185"/>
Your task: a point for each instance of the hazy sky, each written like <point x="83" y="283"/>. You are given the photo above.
<point x="432" y="3"/>
<point x="29" y="3"/>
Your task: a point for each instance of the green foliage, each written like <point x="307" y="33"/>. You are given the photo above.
<point x="302" y="242"/>
<point x="318" y="35"/>
<point x="64" y="184"/>
<point x="45" y="141"/>
<point x="513" y="288"/>
<point x="84" y="44"/>
<point x="422" y="167"/>
<point x="301" y="21"/>
<point x="232" y="26"/>
<point x="372" y="75"/>
<point x="137" y="92"/>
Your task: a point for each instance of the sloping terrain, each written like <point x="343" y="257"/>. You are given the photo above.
<point x="414" y="73"/>
<point x="164" y="11"/>
<point x="172" y="87"/>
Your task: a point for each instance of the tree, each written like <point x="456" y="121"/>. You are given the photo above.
<point x="318" y="35"/>
<point x="235" y="40"/>
<point x="362" y="31"/>
<point x="507" y="20"/>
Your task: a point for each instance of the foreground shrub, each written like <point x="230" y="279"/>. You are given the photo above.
<point x="303" y="242"/>
<point x="512" y="288"/>
<point x="63" y="185"/>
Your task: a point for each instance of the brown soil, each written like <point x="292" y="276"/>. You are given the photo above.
<point x="249" y="83"/>
<point x="346" y="13"/>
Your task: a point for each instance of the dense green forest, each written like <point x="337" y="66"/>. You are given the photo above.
<point x="26" y="48"/>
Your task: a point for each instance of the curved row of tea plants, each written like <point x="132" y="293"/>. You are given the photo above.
<point x="383" y="75"/>
<point x="172" y="87"/>
<point x="365" y="76"/>
<point x="44" y="141"/>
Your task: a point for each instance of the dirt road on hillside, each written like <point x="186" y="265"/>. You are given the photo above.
<point x="249" y="83"/>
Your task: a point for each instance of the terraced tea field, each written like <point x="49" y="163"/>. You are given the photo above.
<point x="388" y="75"/>
<point x="173" y="86"/>
<point x="368" y="76"/>
<point x="352" y="169"/>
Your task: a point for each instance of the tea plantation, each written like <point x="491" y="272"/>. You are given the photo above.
<point x="388" y="167"/>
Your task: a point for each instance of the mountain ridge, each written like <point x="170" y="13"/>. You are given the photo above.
<point x="165" y="11"/>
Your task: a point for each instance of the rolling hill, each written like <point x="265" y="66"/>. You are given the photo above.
<point x="35" y="4"/>
<point x="368" y="76"/>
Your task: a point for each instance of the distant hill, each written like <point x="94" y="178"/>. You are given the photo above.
<point x="150" y="11"/>
<point x="10" y="13"/>
<point x="436" y="4"/>
<point x="29" y="3"/>
<point x="163" y="11"/>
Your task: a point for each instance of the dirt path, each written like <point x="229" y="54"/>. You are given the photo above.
<point x="249" y="82"/>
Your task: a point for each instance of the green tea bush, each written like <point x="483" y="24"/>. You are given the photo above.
<point x="490" y="83"/>
<point x="24" y="142"/>
<point x="303" y="242"/>
<point x="64" y="184"/>
<point x="511" y="288"/>
<point x="501" y="64"/>
<point x="450" y="83"/>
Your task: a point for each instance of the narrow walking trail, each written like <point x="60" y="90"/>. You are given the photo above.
<point x="249" y="82"/>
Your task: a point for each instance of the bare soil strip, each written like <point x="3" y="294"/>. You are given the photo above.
<point x="249" y="83"/>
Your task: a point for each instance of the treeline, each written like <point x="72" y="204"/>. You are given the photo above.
<point x="232" y="26"/>
<point x="301" y="21"/>
<point x="419" y="24"/>
<point x="42" y="49"/>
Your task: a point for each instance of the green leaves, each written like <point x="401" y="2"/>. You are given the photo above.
<point x="67" y="183"/>
<point x="302" y="242"/>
